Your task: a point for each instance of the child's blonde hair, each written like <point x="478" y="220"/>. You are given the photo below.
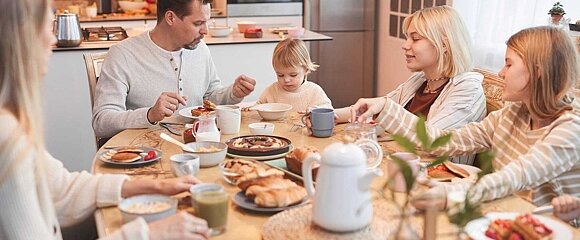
<point x="292" y="53"/>
<point x="552" y="61"/>
<point x="445" y="29"/>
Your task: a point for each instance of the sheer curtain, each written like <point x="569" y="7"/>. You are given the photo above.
<point x="492" y="22"/>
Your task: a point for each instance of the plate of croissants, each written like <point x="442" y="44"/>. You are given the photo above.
<point x="263" y="188"/>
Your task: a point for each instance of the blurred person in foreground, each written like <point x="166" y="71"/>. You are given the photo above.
<point x="38" y="194"/>
<point x="147" y="77"/>
<point x="535" y="139"/>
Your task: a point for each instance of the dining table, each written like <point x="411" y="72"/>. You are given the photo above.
<point x="247" y="224"/>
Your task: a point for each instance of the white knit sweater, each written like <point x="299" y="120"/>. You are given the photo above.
<point x="309" y="94"/>
<point x="38" y="195"/>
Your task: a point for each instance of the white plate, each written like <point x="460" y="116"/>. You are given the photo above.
<point x="476" y="228"/>
<point x="242" y="201"/>
<point x="186" y="112"/>
<point x="472" y="174"/>
<point x="158" y="154"/>
<point x="262" y="158"/>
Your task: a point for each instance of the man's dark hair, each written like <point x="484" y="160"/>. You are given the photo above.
<point x="180" y="7"/>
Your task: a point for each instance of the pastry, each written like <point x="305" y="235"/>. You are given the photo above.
<point x="280" y="197"/>
<point x="296" y="157"/>
<point x="125" y="157"/>
<point x="207" y="104"/>
<point x="447" y="171"/>
<point x="246" y="180"/>
<point x="130" y="149"/>
<point x="499" y="229"/>
<point x="531" y="228"/>
<point x="266" y="183"/>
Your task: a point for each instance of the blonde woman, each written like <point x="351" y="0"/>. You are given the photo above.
<point x="292" y="64"/>
<point x="535" y="139"/>
<point x="443" y="88"/>
<point x="38" y="194"/>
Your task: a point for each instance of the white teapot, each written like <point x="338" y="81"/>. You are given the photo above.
<point x="342" y="202"/>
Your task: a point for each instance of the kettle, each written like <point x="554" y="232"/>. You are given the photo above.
<point x="67" y="30"/>
<point x="342" y="200"/>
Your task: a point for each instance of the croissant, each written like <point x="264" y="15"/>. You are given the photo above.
<point x="280" y="197"/>
<point x="264" y="184"/>
<point x="295" y="158"/>
<point x="246" y="180"/>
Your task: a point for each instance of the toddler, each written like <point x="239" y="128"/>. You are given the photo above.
<point x="292" y="64"/>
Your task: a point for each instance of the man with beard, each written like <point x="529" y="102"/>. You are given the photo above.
<point x="146" y="78"/>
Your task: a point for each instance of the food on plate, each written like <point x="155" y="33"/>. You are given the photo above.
<point x="525" y="226"/>
<point x="266" y="183"/>
<point x="150" y="155"/>
<point x="207" y="104"/>
<point x="244" y="181"/>
<point x="258" y="142"/>
<point x="147" y="207"/>
<point x="447" y="171"/>
<point x="242" y="170"/>
<point x="125" y="157"/>
<point x="130" y="149"/>
<point x="296" y="157"/>
<point x="280" y="197"/>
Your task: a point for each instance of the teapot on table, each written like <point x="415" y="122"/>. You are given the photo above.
<point x="342" y="201"/>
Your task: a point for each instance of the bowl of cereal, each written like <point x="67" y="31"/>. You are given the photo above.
<point x="210" y="153"/>
<point x="151" y="207"/>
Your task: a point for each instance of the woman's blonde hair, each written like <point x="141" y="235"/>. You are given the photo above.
<point x="552" y="61"/>
<point x="444" y="28"/>
<point x="292" y="53"/>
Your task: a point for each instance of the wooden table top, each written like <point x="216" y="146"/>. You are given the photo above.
<point x="244" y="224"/>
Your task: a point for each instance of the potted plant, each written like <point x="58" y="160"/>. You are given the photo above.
<point x="556" y="13"/>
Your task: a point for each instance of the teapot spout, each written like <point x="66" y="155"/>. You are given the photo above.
<point x="364" y="182"/>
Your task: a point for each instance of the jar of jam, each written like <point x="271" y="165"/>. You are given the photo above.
<point x="188" y="135"/>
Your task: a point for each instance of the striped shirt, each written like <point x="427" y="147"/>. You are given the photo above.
<point x="537" y="164"/>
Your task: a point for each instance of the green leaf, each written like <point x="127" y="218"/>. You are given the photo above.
<point x="406" y="171"/>
<point x="405" y="143"/>
<point x="422" y="135"/>
<point x="438" y="161"/>
<point x="485" y="159"/>
<point x="441" y="141"/>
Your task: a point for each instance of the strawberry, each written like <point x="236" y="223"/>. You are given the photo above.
<point x="150" y="155"/>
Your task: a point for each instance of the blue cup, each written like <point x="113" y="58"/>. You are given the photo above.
<point x="322" y="120"/>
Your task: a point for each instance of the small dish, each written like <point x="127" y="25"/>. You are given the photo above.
<point x="210" y="153"/>
<point x="151" y="207"/>
<point x="261" y="128"/>
<point x="273" y="111"/>
<point x="243" y="25"/>
<point x="219" y="31"/>
<point x="296" y="32"/>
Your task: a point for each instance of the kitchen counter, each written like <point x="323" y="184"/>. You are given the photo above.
<point x="234" y="38"/>
<point x="127" y="17"/>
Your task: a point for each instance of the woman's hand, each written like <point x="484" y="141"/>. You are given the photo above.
<point x="566" y="207"/>
<point x="169" y="186"/>
<point x="366" y="108"/>
<point x="179" y="226"/>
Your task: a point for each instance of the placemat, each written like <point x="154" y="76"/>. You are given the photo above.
<point x="297" y="224"/>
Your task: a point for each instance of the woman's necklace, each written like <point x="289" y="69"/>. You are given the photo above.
<point x="428" y="88"/>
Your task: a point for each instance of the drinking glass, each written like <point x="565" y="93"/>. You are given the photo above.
<point x="213" y="207"/>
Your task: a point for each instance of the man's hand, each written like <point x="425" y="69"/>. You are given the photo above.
<point x="243" y="86"/>
<point x="165" y="106"/>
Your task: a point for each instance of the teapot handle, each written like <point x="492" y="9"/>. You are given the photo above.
<point x="307" y="172"/>
<point x="373" y="150"/>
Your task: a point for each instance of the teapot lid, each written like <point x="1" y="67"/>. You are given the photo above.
<point x="66" y="13"/>
<point x="343" y="154"/>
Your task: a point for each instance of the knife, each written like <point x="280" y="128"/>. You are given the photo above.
<point x="543" y="209"/>
<point x="170" y="129"/>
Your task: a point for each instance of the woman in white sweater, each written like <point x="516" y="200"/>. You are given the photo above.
<point x="37" y="193"/>
<point x="535" y="139"/>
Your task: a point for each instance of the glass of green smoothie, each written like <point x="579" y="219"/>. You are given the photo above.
<point x="213" y="207"/>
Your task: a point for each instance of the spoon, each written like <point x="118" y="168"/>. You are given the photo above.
<point x="174" y="141"/>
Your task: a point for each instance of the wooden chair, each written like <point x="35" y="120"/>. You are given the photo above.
<point x="93" y="62"/>
<point x="492" y="88"/>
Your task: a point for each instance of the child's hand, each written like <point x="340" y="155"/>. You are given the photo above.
<point x="566" y="207"/>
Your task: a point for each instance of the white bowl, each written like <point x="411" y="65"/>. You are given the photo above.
<point x="243" y="25"/>
<point x="219" y="31"/>
<point x="273" y="111"/>
<point x="296" y="32"/>
<point x="209" y="158"/>
<point x="261" y="128"/>
<point x="129" y="210"/>
<point x="128" y="5"/>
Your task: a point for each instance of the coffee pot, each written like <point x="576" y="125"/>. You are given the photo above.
<point x="342" y="200"/>
<point x="67" y="30"/>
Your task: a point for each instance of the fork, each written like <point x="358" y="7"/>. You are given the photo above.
<point x="296" y="127"/>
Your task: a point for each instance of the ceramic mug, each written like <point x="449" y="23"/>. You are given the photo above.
<point x="322" y="120"/>
<point x="228" y="119"/>
<point x="184" y="164"/>
<point x="396" y="179"/>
